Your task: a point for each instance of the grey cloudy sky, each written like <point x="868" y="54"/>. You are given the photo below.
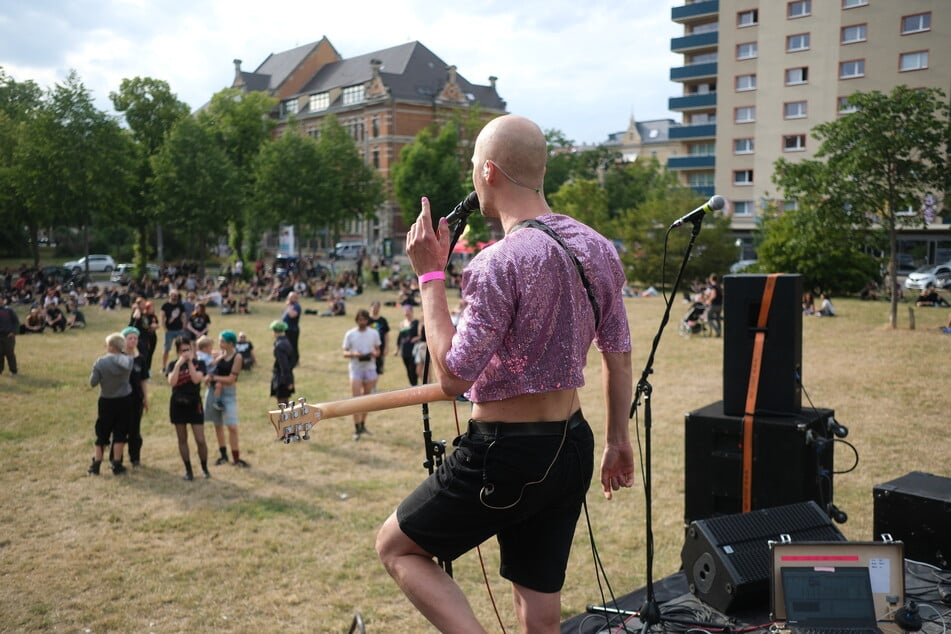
<point x="579" y="67"/>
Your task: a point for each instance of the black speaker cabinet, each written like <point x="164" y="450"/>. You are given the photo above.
<point x="727" y="559"/>
<point x="916" y="509"/>
<point x="793" y="461"/>
<point x="779" y="388"/>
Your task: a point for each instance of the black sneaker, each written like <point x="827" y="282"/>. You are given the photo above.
<point x="118" y="468"/>
<point x="188" y="477"/>
<point x="205" y="473"/>
<point x="220" y="461"/>
<point x="241" y="463"/>
<point x="94" y="467"/>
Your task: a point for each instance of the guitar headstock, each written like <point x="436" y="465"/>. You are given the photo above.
<point x="293" y="421"/>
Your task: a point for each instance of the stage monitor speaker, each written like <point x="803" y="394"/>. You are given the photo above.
<point x="916" y="509"/>
<point x="727" y="559"/>
<point x="779" y="388"/>
<point x="793" y="461"/>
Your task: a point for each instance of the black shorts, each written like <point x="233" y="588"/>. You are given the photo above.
<point x="525" y="489"/>
<point x="182" y="413"/>
<point x="114" y="420"/>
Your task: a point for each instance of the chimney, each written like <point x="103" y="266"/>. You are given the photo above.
<point x="237" y="69"/>
<point x="452" y="74"/>
<point x="376" y="65"/>
<point x="492" y="80"/>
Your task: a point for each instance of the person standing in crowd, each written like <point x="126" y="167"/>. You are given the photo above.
<point x="138" y="379"/>
<point x="379" y="323"/>
<point x="362" y="346"/>
<point x="713" y="304"/>
<point x="9" y="325"/>
<point x="111" y="373"/>
<point x="522" y="470"/>
<point x="185" y="375"/>
<point x="173" y="321"/>
<point x="406" y="340"/>
<point x="291" y="317"/>
<point x="150" y="324"/>
<point x="282" y="374"/>
<point x="228" y="365"/>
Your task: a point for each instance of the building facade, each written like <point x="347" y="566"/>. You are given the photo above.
<point x="384" y="98"/>
<point x="758" y="75"/>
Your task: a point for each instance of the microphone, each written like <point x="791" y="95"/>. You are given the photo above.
<point x="714" y="204"/>
<point x="462" y="210"/>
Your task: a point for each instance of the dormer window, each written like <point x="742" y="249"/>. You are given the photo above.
<point x="289" y="107"/>
<point x="319" y="101"/>
<point x="353" y="95"/>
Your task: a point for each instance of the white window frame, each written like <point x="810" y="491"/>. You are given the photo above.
<point x="744" y="208"/>
<point x="798" y="9"/>
<point x="743" y="178"/>
<point x="744" y="83"/>
<point x="844" y="108"/>
<point x="798" y="146"/>
<point x="747" y="18"/>
<point x="701" y="179"/>
<point x="750" y="110"/>
<point x="860" y="34"/>
<point x="795" y="110"/>
<point x="851" y="4"/>
<point x="803" y="39"/>
<point x="353" y="95"/>
<point x="856" y="66"/>
<point x="747" y="50"/>
<point x="319" y="101"/>
<point x="920" y="59"/>
<point x="289" y="106"/>
<point x="790" y="76"/>
<point x="744" y="145"/>
<point x="920" y="28"/>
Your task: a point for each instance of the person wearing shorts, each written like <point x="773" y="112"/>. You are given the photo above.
<point x="224" y="415"/>
<point x="185" y="375"/>
<point x="522" y="468"/>
<point x="362" y="346"/>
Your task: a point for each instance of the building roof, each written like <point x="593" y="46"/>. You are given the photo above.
<point x="278" y="66"/>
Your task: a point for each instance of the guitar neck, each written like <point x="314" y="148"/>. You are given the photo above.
<point x="416" y="395"/>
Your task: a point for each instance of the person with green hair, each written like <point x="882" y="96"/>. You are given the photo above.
<point x="228" y="365"/>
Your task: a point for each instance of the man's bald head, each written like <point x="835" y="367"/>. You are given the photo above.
<point x="518" y="146"/>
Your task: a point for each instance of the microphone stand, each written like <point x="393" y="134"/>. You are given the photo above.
<point x="650" y="611"/>
<point x="436" y="449"/>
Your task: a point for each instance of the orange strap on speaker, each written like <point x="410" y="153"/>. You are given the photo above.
<point x="751" y="392"/>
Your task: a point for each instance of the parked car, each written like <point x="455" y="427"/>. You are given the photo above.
<point x="349" y="250"/>
<point x="123" y="273"/>
<point x="284" y="265"/>
<point x="740" y="266"/>
<point x="97" y="264"/>
<point x="929" y="275"/>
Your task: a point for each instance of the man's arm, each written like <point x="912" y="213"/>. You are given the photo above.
<point x="617" y="462"/>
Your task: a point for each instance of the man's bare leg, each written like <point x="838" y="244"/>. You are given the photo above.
<point x="538" y="612"/>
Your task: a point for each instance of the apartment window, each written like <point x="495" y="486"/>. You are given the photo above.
<point x="790" y="205"/>
<point x="742" y="177"/>
<point x="743" y="207"/>
<point x="700" y="179"/>
<point x="845" y="107"/>
<point x="746" y="51"/>
<point x="701" y="149"/>
<point x="746" y="82"/>
<point x="851" y="4"/>
<point x="745" y="114"/>
<point x="747" y="18"/>
<point x="794" y="110"/>
<point x="289" y="107"/>
<point x="743" y="146"/>
<point x="916" y="23"/>
<point x="702" y="58"/>
<point x="798" y="75"/>
<point x="852" y="69"/>
<point x="854" y="33"/>
<point x="799" y="9"/>
<point x="320" y="101"/>
<point x="913" y="61"/>
<point x="794" y="143"/>
<point x="798" y="42"/>
<point x="352" y="95"/>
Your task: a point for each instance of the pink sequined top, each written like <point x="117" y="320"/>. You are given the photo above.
<point x="528" y="324"/>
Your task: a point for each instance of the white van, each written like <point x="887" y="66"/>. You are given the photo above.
<point x="349" y="250"/>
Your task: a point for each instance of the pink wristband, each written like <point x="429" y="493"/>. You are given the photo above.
<point x="432" y="275"/>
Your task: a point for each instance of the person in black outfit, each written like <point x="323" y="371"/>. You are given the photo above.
<point x="140" y="397"/>
<point x="282" y="374"/>
<point x="406" y="341"/>
<point x="379" y="323"/>
<point x="713" y="298"/>
<point x="9" y="324"/>
<point x="185" y="375"/>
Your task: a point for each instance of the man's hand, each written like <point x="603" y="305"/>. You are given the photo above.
<point x="427" y="250"/>
<point x="617" y="468"/>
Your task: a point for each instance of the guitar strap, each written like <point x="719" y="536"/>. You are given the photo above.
<point x="541" y="226"/>
<point x="752" y="390"/>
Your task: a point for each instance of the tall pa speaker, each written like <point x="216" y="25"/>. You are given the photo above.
<point x="727" y="559"/>
<point x="781" y="363"/>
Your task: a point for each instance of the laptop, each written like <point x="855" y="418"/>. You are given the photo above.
<point x="834" y="599"/>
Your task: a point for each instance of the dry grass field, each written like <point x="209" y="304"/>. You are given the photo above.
<point x="287" y="545"/>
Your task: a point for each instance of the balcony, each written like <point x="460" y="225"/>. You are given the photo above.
<point x="691" y="162"/>
<point x="694" y="42"/>
<point x="694" y="72"/>
<point x="692" y="102"/>
<point x="690" y="12"/>
<point x="693" y="132"/>
<point x="704" y="190"/>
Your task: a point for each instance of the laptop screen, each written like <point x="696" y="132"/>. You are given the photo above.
<point x="828" y="596"/>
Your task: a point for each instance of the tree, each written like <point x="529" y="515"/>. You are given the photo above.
<point x="887" y="156"/>
<point x="195" y="182"/>
<point x="430" y="166"/>
<point x="19" y="103"/>
<point x="150" y="110"/>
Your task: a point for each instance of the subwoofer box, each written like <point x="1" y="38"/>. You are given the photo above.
<point x="916" y="509"/>
<point x="727" y="559"/>
<point x="779" y="388"/>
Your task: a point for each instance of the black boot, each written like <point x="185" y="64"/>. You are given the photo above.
<point x="117" y="467"/>
<point x="204" y="469"/>
<point x="94" y="467"/>
<point x="223" y="458"/>
<point x="189" y="476"/>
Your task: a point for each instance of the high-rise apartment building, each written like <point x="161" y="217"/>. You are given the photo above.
<point x="758" y="75"/>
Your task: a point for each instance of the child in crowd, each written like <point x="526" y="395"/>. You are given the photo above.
<point x="205" y="344"/>
<point x="246" y="349"/>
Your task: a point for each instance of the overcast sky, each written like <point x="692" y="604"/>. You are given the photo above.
<point x="580" y="67"/>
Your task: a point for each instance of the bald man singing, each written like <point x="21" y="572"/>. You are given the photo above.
<point x="535" y="301"/>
